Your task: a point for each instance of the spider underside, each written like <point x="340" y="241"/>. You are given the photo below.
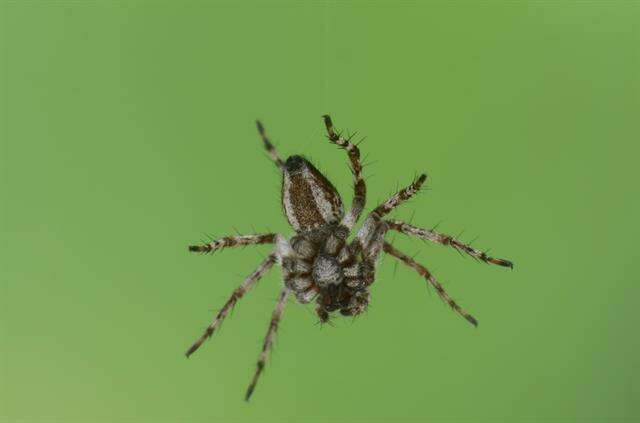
<point x="318" y="262"/>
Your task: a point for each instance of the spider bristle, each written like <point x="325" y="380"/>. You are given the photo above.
<point x="413" y="214"/>
<point x="357" y="144"/>
<point x="368" y="163"/>
<point x="458" y="250"/>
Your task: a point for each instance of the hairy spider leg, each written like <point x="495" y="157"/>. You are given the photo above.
<point x="268" y="340"/>
<point x="271" y="150"/>
<point x="238" y="293"/>
<point x="233" y="241"/>
<point x="433" y="236"/>
<point x="400" y="197"/>
<point x="370" y="237"/>
<point x="369" y="240"/>
<point x="424" y="272"/>
<point x="359" y="187"/>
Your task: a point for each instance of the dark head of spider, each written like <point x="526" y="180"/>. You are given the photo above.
<point x="324" y="267"/>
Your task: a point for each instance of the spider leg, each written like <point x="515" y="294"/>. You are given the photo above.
<point x="268" y="340"/>
<point x="369" y="240"/>
<point x="392" y="251"/>
<point x="359" y="187"/>
<point x="233" y="241"/>
<point x="271" y="150"/>
<point x="250" y="280"/>
<point x="366" y="240"/>
<point x="437" y="237"/>
<point x="371" y="237"/>
<point x="400" y="197"/>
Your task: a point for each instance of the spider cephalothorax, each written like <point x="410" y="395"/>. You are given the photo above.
<point x="319" y="262"/>
<point x="326" y="268"/>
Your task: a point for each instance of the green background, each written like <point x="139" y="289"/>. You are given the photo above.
<point x="127" y="132"/>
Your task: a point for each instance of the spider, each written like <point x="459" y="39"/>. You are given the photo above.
<point x="318" y="262"/>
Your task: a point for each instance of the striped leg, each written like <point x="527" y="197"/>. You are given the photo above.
<point x="233" y="241"/>
<point x="370" y="237"/>
<point x="433" y="236"/>
<point x="359" y="187"/>
<point x="268" y="340"/>
<point x="271" y="150"/>
<point x="400" y="197"/>
<point x="392" y="251"/>
<point x="266" y="264"/>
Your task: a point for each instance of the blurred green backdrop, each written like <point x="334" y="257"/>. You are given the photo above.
<point x="127" y="132"/>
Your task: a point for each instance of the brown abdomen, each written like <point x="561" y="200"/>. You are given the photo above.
<point x="309" y="200"/>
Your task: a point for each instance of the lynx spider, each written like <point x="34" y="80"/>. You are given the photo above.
<point x="318" y="262"/>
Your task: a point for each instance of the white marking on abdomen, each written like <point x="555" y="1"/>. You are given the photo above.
<point x="324" y="206"/>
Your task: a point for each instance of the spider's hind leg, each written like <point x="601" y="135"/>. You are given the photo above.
<point x="442" y="239"/>
<point x="238" y="293"/>
<point x="268" y="339"/>
<point x="424" y="272"/>
<point x="271" y="150"/>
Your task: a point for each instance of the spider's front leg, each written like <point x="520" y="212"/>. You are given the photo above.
<point x="400" y="197"/>
<point x="370" y="237"/>
<point x="271" y="150"/>
<point x="359" y="187"/>
<point x="369" y="240"/>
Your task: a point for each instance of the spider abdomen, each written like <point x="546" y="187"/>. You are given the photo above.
<point x="325" y="267"/>
<point x="309" y="199"/>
